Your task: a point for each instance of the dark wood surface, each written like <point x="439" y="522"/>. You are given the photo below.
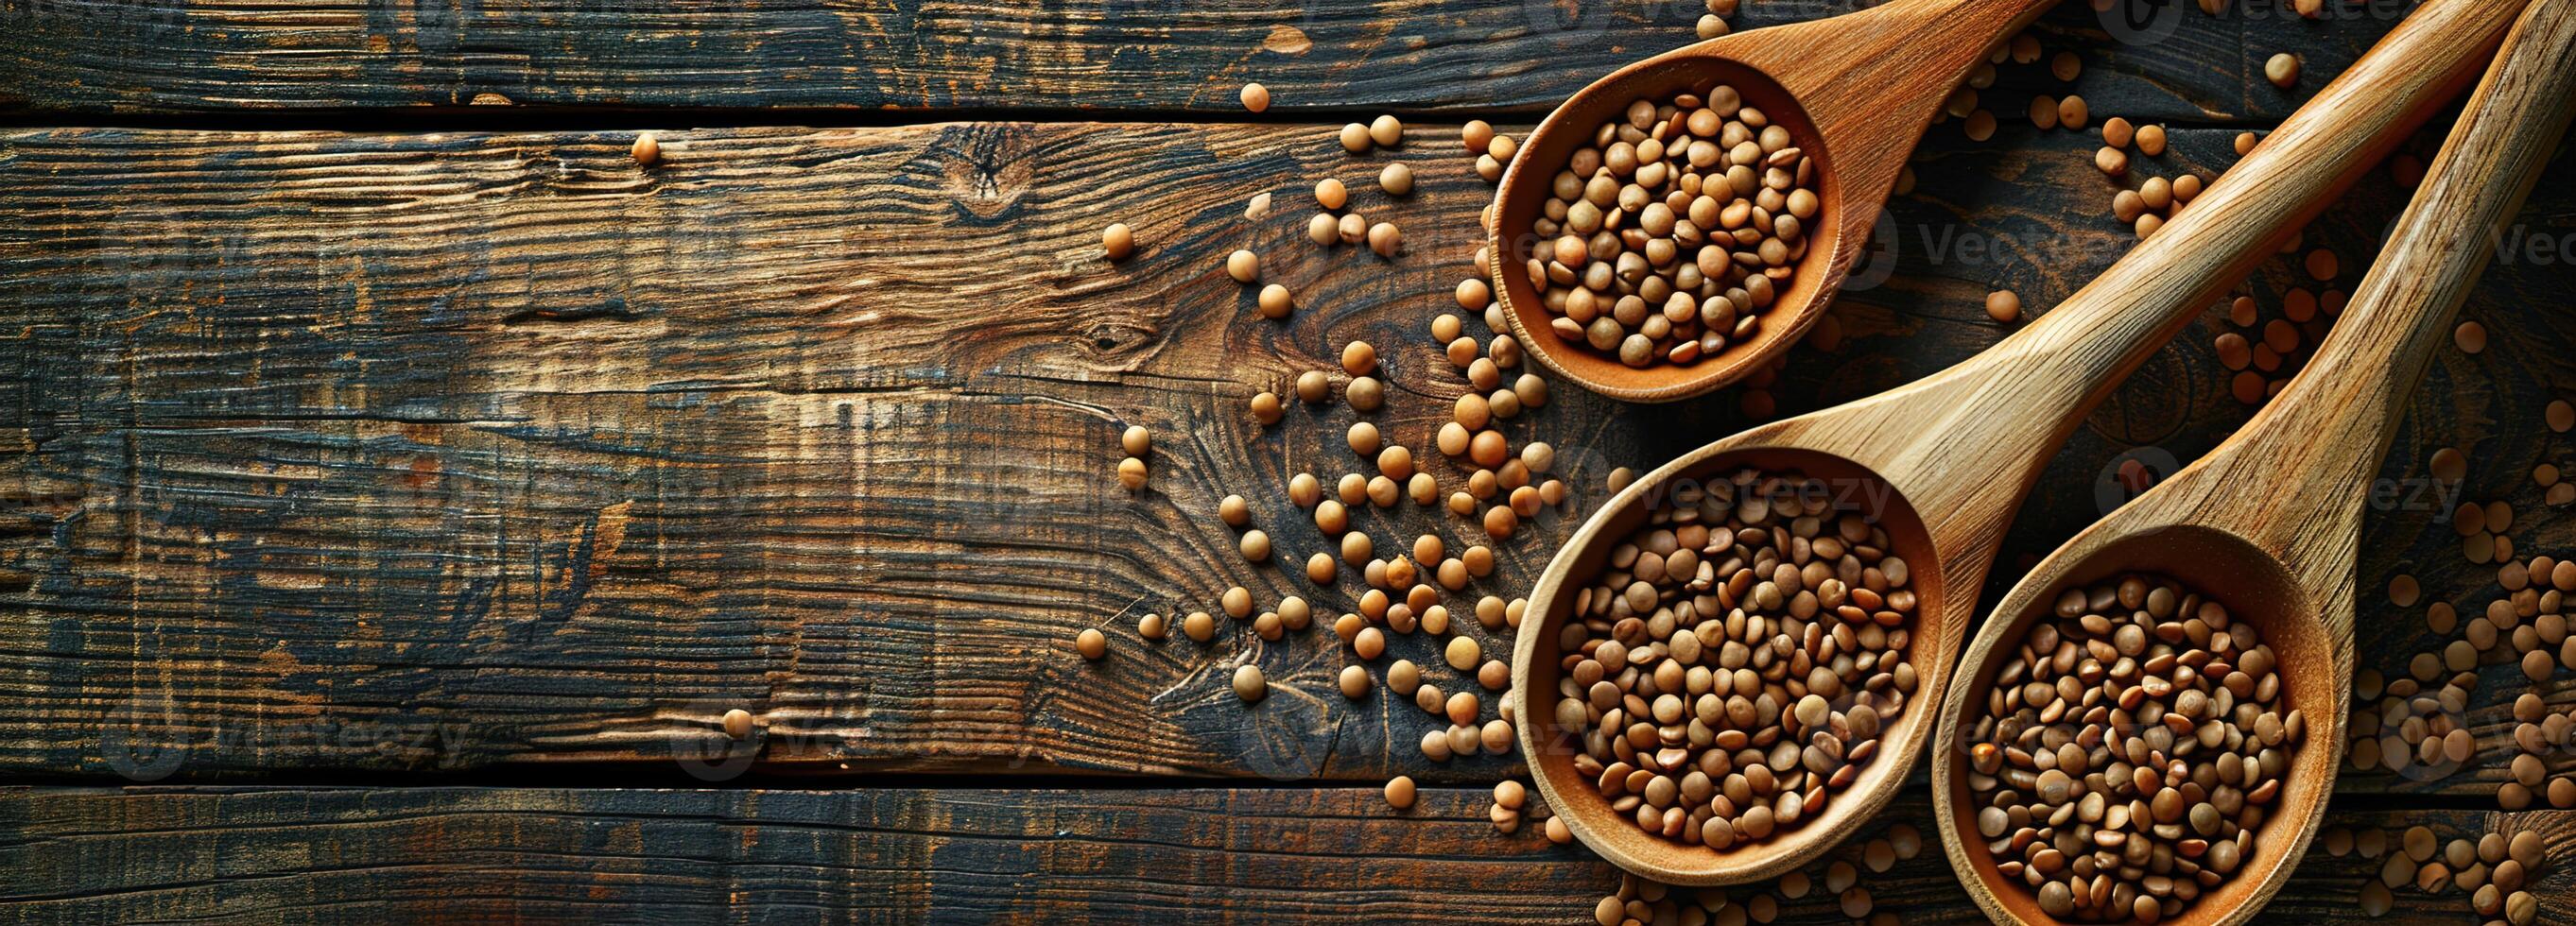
<point x="61" y="58"/>
<point x="253" y="854"/>
<point x="403" y="443"/>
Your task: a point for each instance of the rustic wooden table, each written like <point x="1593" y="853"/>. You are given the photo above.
<point x="399" y="482"/>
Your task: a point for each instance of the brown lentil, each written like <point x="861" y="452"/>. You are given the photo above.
<point x="1366" y="393"/>
<point x="1399" y="791"/>
<point x="1118" y="241"/>
<point x="1386" y="131"/>
<point x="2471" y="337"/>
<point x="1396" y="180"/>
<point x="1248" y="683"/>
<point x="1477" y="134"/>
<point x="2003" y="305"/>
<point x="1274" y="302"/>
<point x="2282" y="70"/>
<point x="2151" y="140"/>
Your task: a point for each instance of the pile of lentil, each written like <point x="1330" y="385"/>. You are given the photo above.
<point x="1734" y="662"/>
<point x="1667" y="237"/>
<point x="2129" y="751"/>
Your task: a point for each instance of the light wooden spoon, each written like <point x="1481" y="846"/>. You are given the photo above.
<point x="1855" y="92"/>
<point x="2269" y="523"/>
<point x="1944" y="462"/>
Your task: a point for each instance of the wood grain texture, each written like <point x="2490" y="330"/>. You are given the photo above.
<point x="64" y="57"/>
<point x="900" y="855"/>
<point x="431" y="452"/>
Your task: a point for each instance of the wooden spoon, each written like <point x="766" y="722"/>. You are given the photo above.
<point x="1944" y="462"/>
<point x="2269" y="523"/>
<point x="1855" y="92"/>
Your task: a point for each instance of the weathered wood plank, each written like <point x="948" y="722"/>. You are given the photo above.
<point x="901" y="855"/>
<point x="432" y="452"/>
<point x="61" y="57"/>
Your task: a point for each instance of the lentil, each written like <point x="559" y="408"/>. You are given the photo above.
<point x="1396" y="180"/>
<point x="1365" y="393"/>
<point x="1091" y="643"/>
<point x="647" y="150"/>
<point x="1256" y="97"/>
<point x="2003" y="305"/>
<point x="1386" y="131"/>
<point x="2282" y="70"/>
<point x="1400" y="792"/>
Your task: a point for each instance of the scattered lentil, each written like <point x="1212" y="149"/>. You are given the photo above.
<point x="2282" y="70"/>
<point x="1396" y="180"/>
<point x="1400" y="792"/>
<point x="2004" y="306"/>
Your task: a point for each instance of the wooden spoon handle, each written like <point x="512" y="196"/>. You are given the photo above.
<point x="2335" y="420"/>
<point x="1871" y="81"/>
<point x="2015" y="403"/>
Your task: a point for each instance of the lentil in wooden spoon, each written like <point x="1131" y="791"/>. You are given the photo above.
<point x="1940" y="465"/>
<point x="2268" y="523"/>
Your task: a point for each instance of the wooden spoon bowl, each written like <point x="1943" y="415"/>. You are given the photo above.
<point x="1958" y="450"/>
<point x="1854" y="92"/>
<point x="1538" y="664"/>
<point x="2256" y="589"/>
<point x="2269" y="523"/>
